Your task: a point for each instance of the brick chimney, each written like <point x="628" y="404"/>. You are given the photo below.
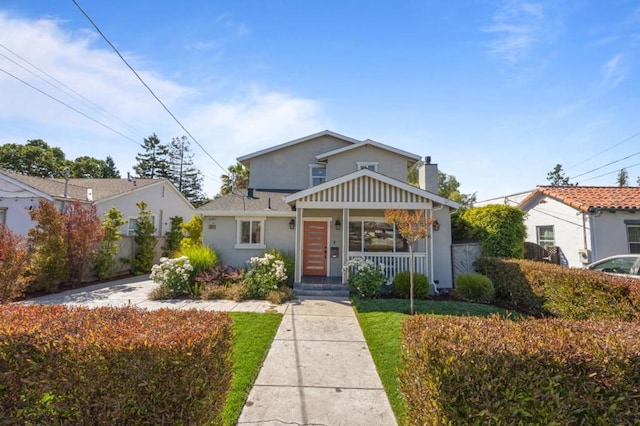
<point x="428" y="176"/>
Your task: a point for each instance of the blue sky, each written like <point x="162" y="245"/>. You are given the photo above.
<point x="496" y="92"/>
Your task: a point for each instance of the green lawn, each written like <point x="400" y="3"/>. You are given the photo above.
<point x="253" y="336"/>
<point x="381" y="320"/>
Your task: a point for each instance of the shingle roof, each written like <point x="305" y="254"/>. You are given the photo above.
<point x="589" y="198"/>
<point x="77" y="188"/>
<point x="239" y="201"/>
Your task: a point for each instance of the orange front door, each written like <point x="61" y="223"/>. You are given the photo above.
<point x="314" y="249"/>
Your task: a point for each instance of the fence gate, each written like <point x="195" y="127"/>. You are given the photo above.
<point x="462" y="257"/>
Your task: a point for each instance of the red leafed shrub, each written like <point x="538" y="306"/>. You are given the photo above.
<point x="469" y="370"/>
<point x="83" y="231"/>
<point x="13" y="260"/>
<point x="63" y="365"/>
<point x="554" y="290"/>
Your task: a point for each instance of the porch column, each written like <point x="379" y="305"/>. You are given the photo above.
<point x="298" y="246"/>
<point x="345" y="242"/>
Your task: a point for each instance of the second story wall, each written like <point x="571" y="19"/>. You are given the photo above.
<point x="386" y="162"/>
<point x="288" y="168"/>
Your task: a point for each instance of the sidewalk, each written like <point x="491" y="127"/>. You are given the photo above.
<point x="318" y="372"/>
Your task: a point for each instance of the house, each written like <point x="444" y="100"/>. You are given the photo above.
<point x="20" y="193"/>
<point x="323" y="197"/>
<point x="587" y="223"/>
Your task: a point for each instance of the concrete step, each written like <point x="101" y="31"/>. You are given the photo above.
<point x="321" y="290"/>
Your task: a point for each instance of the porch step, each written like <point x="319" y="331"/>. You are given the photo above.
<point x="321" y="290"/>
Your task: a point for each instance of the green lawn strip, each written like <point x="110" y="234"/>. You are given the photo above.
<point x="254" y="333"/>
<point x="381" y="322"/>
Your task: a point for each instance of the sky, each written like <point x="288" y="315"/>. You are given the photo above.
<point x="496" y="92"/>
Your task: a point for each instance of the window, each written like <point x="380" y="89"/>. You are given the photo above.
<point x="317" y="174"/>
<point x="250" y="233"/>
<point x="633" y="236"/>
<point x="133" y="224"/>
<point x="3" y="216"/>
<point x="371" y="165"/>
<point x="375" y="236"/>
<point x="545" y="236"/>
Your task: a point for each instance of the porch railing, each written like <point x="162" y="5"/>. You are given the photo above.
<point x="394" y="262"/>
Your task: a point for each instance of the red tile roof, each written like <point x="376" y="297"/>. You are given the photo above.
<point x="588" y="198"/>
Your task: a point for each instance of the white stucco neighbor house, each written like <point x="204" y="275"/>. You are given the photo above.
<point x="323" y="197"/>
<point x="20" y="193"/>
<point x="588" y="223"/>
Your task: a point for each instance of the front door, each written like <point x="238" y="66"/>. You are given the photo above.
<point x="314" y="249"/>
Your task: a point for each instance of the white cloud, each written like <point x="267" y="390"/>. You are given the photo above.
<point x="614" y="71"/>
<point x="227" y="125"/>
<point x="518" y="26"/>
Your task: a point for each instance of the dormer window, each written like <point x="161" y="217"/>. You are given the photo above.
<point x="371" y="165"/>
<point x="317" y="174"/>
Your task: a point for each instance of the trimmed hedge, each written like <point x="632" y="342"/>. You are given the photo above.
<point x="555" y="290"/>
<point x="63" y="365"/>
<point x="402" y="285"/>
<point x="470" y="370"/>
<point x="474" y="287"/>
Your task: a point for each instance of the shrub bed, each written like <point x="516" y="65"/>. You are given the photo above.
<point x="466" y="370"/>
<point x="563" y="292"/>
<point x="402" y="285"/>
<point x="63" y="365"/>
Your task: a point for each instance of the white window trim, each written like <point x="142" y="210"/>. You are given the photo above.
<point x="131" y="232"/>
<point x="363" y="219"/>
<point x="316" y="166"/>
<point x="629" y="242"/>
<point x="365" y="165"/>
<point x="242" y="246"/>
<point x="539" y="240"/>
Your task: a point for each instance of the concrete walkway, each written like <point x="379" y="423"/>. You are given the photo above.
<point x="318" y="370"/>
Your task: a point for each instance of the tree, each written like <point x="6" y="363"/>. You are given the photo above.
<point x="173" y="237"/>
<point x="448" y="186"/>
<point x="237" y="178"/>
<point x="182" y="173"/>
<point x="412" y="227"/>
<point x="105" y="258"/>
<point x="153" y="162"/>
<point x="110" y="171"/>
<point x="48" y="263"/>
<point x="623" y="178"/>
<point x="499" y="228"/>
<point x="145" y="241"/>
<point x="556" y="177"/>
<point x="192" y="232"/>
<point x="83" y="232"/>
<point x="87" y="167"/>
<point x="13" y="261"/>
<point x="35" y="158"/>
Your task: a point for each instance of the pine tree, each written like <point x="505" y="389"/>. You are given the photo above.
<point x="556" y="177"/>
<point x="153" y="163"/>
<point x="109" y="171"/>
<point x="623" y="178"/>
<point x="182" y="173"/>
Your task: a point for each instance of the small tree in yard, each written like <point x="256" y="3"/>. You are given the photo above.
<point x="83" y="231"/>
<point x="13" y="261"/>
<point x="412" y="227"/>
<point x="145" y="241"/>
<point x="48" y="263"/>
<point x="193" y="232"/>
<point x="105" y="258"/>
<point x="173" y="237"/>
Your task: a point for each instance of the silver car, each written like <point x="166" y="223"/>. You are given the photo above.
<point x="622" y="264"/>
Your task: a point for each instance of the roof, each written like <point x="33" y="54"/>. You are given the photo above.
<point x="588" y="198"/>
<point x="238" y="201"/>
<point x="368" y="142"/>
<point x="77" y="188"/>
<point x="295" y="142"/>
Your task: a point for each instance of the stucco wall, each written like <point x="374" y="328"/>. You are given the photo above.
<point x="389" y="164"/>
<point x="288" y="168"/>
<point x="609" y="233"/>
<point x="17" y="213"/>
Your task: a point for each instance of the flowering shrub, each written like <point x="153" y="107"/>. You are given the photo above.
<point x="365" y="277"/>
<point x="173" y="275"/>
<point x="265" y="273"/>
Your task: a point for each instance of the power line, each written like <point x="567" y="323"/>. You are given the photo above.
<point x="145" y="84"/>
<point x="602" y="152"/>
<point x="69" y="106"/>
<point x="610" y="173"/>
<point x="608" y="164"/>
<point x="83" y="99"/>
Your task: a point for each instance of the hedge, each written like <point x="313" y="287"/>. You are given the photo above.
<point x="555" y="290"/>
<point x="63" y="365"/>
<point x="471" y="370"/>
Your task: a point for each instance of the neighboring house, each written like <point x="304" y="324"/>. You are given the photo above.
<point x="20" y="193"/>
<point x="323" y="198"/>
<point x="587" y="223"/>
